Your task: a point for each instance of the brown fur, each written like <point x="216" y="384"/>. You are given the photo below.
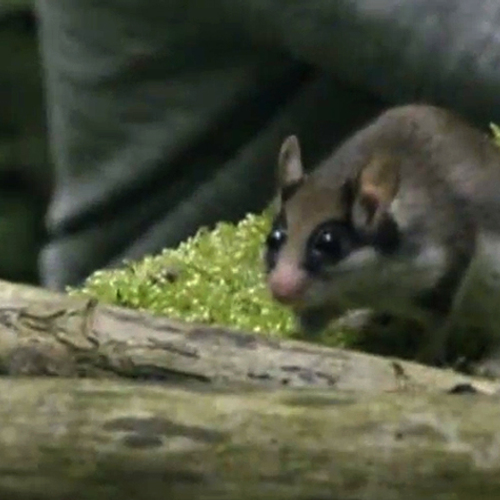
<point x="417" y="168"/>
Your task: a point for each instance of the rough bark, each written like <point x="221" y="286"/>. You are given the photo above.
<point x="44" y="333"/>
<point x="81" y="439"/>
<point x="236" y="424"/>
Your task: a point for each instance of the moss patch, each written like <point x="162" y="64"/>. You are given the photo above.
<point x="215" y="277"/>
<point x="495" y="129"/>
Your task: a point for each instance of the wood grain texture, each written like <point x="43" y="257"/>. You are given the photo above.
<point x="46" y="333"/>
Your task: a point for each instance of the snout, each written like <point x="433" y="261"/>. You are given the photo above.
<point x="287" y="284"/>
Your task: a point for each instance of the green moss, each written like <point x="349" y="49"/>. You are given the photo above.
<point x="215" y="277"/>
<point x="495" y="129"/>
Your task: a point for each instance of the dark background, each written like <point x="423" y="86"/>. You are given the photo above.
<point x="25" y="171"/>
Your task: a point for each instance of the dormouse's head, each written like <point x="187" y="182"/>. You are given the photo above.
<point x="329" y="236"/>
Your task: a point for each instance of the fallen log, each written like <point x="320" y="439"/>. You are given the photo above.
<point x="228" y="416"/>
<point x="46" y="333"/>
<point x="104" y="440"/>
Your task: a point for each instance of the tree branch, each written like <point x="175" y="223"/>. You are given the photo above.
<point x="45" y="333"/>
<point x="81" y="439"/>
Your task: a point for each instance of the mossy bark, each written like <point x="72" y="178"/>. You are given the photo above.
<point x="230" y="415"/>
<point x="78" y="439"/>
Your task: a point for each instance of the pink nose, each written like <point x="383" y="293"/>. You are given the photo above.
<point x="287" y="283"/>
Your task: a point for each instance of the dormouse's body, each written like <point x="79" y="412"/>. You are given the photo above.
<point x="404" y="218"/>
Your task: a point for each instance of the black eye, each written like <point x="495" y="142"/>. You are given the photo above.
<point x="275" y="239"/>
<point x="327" y="245"/>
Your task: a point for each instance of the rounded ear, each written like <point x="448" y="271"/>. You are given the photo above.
<point x="366" y="211"/>
<point x="376" y="188"/>
<point x="372" y="218"/>
<point x="290" y="169"/>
